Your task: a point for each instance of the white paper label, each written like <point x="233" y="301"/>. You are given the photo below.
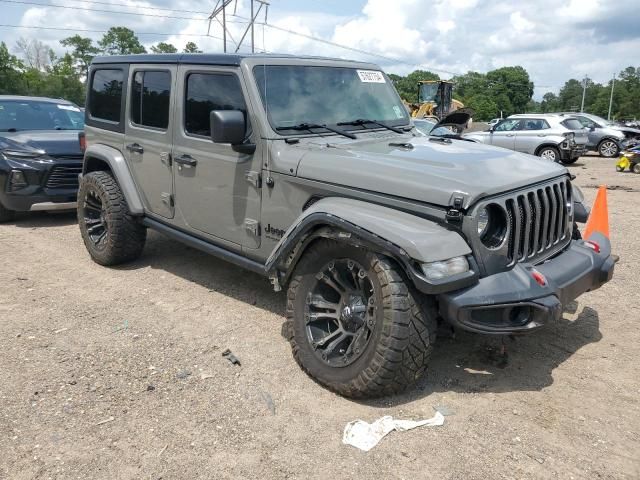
<point x="68" y="107"/>
<point x="398" y="111"/>
<point x="371" y="76"/>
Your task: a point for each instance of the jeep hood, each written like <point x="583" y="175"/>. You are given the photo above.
<point x="431" y="171"/>
<point x="53" y="142"/>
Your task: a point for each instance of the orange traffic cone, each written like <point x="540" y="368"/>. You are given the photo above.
<point x="599" y="219"/>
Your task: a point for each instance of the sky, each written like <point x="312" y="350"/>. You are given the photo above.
<point x="554" y="40"/>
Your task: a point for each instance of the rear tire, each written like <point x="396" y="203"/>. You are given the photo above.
<point x="392" y="336"/>
<point x="6" y="214"/>
<point x="608" y="148"/>
<point x="111" y="235"/>
<point x="636" y="168"/>
<point x="549" y="153"/>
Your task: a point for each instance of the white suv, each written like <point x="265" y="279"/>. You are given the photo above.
<point x="554" y="137"/>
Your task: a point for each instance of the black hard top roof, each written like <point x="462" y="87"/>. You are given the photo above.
<point x="233" y="59"/>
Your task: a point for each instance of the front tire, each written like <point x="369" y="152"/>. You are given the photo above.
<point x="550" y="153"/>
<point x="111" y="235"/>
<point x="356" y="325"/>
<point x="608" y="148"/>
<point x="5" y="214"/>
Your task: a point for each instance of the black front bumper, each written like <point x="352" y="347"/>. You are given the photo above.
<point x="514" y="302"/>
<point x="51" y="185"/>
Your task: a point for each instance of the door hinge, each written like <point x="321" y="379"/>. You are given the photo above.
<point x="254" y="178"/>
<point x="167" y="199"/>
<point x="252" y="226"/>
<point x="165" y="157"/>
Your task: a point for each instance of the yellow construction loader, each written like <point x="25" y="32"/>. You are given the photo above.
<point x="435" y="100"/>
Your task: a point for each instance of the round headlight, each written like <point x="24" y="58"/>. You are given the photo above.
<point x="483" y="221"/>
<point x="492" y="225"/>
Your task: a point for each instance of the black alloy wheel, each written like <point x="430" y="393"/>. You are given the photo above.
<point x="340" y="312"/>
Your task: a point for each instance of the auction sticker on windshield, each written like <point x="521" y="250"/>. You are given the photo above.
<point x="370" y="76"/>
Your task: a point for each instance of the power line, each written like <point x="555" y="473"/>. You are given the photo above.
<point x="138" y="5"/>
<point x="105" y="31"/>
<point x="117" y="12"/>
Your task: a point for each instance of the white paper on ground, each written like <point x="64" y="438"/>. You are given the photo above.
<point x="365" y="435"/>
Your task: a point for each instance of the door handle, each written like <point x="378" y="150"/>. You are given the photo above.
<point x="510" y="134"/>
<point x="186" y="160"/>
<point x="135" y="148"/>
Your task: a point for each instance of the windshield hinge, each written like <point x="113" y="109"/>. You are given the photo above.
<point x="254" y="178"/>
<point x="454" y="216"/>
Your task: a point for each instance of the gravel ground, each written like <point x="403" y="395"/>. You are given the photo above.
<point x="118" y="373"/>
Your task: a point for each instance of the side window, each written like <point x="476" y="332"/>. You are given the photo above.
<point x="150" y="94"/>
<point x="534" y="124"/>
<point x="210" y="91"/>
<point x="586" y="122"/>
<point x="508" y="125"/>
<point x="106" y="94"/>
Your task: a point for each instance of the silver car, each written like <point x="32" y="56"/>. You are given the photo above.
<point x="605" y="137"/>
<point x="558" y="138"/>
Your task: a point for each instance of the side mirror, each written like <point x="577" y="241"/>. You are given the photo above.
<point x="592" y="128"/>
<point x="227" y="126"/>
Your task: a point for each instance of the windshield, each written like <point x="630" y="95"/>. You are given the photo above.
<point x="428" y="92"/>
<point x="16" y="115"/>
<point x="298" y="95"/>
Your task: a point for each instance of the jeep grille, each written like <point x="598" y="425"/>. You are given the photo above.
<point x="539" y="221"/>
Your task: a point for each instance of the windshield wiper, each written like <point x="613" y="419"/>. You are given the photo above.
<point x="312" y="126"/>
<point x="363" y="121"/>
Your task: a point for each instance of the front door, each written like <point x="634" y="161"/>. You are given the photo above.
<point x="148" y="135"/>
<point x="217" y="188"/>
<point x="504" y="135"/>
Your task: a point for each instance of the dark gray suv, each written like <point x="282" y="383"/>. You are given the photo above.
<point x="308" y="171"/>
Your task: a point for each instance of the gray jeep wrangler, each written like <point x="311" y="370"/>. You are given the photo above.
<point x="308" y="171"/>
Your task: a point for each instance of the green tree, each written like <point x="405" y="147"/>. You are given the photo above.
<point x="163" y="47"/>
<point x="82" y="52"/>
<point x="120" y="41"/>
<point x="191" y="47"/>
<point x="10" y="72"/>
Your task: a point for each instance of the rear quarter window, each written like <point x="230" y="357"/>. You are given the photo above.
<point x="106" y="96"/>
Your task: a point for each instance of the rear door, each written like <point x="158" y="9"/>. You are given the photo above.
<point x="531" y="134"/>
<point x="504" y="135"/>
<point x="217" y="187"/>
<point x="148" y="135"/>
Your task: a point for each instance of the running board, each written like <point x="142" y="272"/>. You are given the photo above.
<point x="205" y="246"/>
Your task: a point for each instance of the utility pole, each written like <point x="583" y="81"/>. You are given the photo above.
<point x="221" y="9"/>
<point x="252" y="21"/>
<point x="584" y="92"/>
<point x="613" y="83"/>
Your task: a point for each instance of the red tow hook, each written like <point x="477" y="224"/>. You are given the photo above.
<point x="539" y="278"/>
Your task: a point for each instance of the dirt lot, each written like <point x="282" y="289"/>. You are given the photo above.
<point x="118" y="373"/>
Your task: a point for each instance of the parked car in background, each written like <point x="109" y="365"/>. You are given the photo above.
<point x="605" y="137"/>
<point x="40" y="154"/>
<point x="551" y="136"/>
